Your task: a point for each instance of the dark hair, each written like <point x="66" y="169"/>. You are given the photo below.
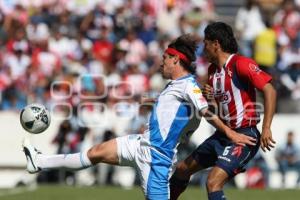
<point x="186" y="44"/>
<point x="224" y="34"/>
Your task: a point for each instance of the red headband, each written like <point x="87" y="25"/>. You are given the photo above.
<point x="174" y="52"/>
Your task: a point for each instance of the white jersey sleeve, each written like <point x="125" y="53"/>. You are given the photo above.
<point x="194" y="95"/>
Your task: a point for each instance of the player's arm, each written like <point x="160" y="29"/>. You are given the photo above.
<point x="214" y="120"/>
<point x="267" y="141"/>
<point x="146" y="101"/>
<point x="194" y="95"/>
<point x="249" y="71"/>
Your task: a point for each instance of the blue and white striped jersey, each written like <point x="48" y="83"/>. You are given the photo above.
<point x="175" y="115"/>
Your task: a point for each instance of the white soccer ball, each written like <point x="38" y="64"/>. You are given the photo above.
<point x="35" y="118"/>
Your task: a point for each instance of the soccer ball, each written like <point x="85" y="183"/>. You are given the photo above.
<point x="35" y="118"/>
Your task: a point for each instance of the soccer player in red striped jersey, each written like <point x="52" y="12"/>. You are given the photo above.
<point x="232" y="83"/>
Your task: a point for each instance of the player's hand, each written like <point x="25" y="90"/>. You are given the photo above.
<point x="266" y="140"/>
<point x="241" y="139"/>
<point x="208" y="92"/>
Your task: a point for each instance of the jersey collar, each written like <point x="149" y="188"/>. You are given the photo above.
<point x="184" y="77"/>
<point x="228" y="60"/>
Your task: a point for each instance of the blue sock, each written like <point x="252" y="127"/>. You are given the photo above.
<point x="219" y="195"/>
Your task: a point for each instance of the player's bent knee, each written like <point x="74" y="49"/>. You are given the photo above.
<point x="96" y="154"/>
<point x="104" y="153"/>
<point x="183" y="171"/>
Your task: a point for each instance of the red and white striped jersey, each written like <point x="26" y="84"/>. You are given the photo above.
<point x="235" y="87"/>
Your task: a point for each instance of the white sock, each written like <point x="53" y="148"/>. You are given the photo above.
<point x="74" y="161"/>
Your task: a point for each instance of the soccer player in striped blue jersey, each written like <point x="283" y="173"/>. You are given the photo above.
<point x="176" y="114"/>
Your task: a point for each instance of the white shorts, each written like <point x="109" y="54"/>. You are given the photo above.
<point x="154" y="168"/>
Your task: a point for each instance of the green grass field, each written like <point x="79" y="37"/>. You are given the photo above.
<point x="116" y="193"/>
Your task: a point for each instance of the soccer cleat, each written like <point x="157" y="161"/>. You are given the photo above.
<point x="31" y="154"/>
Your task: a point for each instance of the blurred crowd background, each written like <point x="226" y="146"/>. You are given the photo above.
<point x="93" y="60"/>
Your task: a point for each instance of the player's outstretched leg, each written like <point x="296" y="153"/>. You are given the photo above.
<point x="36" y="161"/>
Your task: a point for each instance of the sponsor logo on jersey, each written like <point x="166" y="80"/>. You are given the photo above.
<point x="197" y="91"/>
<point x="254" y="68"/>
<point x="224" y="97"/>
